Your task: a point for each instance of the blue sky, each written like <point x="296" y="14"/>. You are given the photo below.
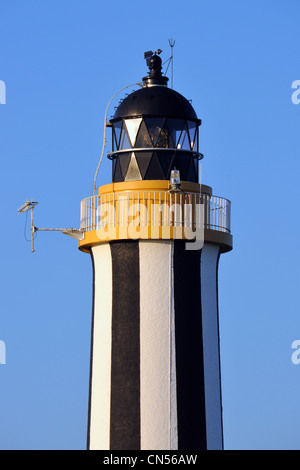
<point x="61" y="62"/>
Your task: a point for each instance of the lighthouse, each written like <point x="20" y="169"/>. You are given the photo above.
<point x="155" y="235"/>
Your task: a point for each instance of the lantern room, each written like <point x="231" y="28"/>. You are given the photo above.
<point x="154" y="131"/>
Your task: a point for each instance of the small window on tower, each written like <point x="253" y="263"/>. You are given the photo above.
<point x="163" y="138"/>
<point x="124" y="140"/>
<point x="184" y="142"/>
<point x="154" y="126"/>
<point x="132" y="128"/>
<point x="117" y="128"/>
<point x="143" y="138"/>
<point x="192" y="127"/>
<point x="175" y="127"/>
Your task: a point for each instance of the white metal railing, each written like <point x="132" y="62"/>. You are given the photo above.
<point x="155" y="208"/>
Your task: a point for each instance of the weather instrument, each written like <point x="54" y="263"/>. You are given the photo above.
<point x="29" y="206"/>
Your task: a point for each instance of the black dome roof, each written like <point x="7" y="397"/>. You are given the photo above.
<point x="156" y="100"/>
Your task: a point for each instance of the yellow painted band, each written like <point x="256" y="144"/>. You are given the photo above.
<point x="152" y="185"/>
<point x="96" y="237"/>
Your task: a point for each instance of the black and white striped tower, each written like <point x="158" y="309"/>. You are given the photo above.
<point x="155" y="355"/>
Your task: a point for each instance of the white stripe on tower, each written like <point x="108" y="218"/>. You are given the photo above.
<point x="157" y="353"/>
<point x="100" y="381"/>
<point x="211" y="353"/>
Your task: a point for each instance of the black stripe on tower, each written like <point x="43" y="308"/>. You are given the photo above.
<point x="125" y="355"/>
<point x="189" y="349"/>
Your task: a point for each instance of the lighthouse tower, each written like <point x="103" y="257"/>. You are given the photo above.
<point x="155" y="235"/>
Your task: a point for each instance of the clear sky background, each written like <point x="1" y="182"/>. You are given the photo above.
<point x="61" y="62"/>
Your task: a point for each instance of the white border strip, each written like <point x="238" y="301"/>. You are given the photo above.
<point x="101" y="366"/>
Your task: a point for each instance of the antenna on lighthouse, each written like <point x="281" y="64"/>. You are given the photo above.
<point x="172" y="44"/>
<point x="29" y="206"/>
